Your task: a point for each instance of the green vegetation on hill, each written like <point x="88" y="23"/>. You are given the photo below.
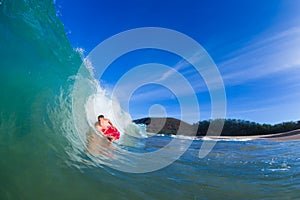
<point x="232" y="127"/>
<point x="168" y="126"/>
<point x="235" y="127"/>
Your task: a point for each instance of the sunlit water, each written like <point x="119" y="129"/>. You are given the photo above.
<point x="50" y="150"/>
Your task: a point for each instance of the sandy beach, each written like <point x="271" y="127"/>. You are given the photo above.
<point x="286" y="136"/>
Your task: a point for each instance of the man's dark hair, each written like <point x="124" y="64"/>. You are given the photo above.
<point x="100" y="116"/>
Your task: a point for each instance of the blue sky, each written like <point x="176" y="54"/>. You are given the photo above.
<point x="255" y="45"/>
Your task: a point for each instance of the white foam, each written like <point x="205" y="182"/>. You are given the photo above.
<point x="101" y="103"/>
<point x="226" y="139"/>
<point x="184" y="137"/>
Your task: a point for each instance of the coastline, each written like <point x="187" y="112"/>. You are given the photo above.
<point x="277" y="137"/>
<point x="234" y="129"/>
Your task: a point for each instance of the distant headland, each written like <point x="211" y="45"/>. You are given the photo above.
<point x="232" y="127"/>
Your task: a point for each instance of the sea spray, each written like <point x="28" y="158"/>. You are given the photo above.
<point x="102" y="103"/>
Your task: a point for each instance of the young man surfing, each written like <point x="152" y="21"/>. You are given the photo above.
<point x="107" y="129"/>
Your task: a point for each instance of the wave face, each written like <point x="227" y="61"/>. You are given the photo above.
<point x="38" y="139"/>
<point x="49" y="148"/>
<point x="45" y="139"/>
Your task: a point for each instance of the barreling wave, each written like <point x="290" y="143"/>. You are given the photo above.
<point x="39" y="121"/>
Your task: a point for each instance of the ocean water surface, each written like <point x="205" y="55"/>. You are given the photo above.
<point x="50" y="150"/>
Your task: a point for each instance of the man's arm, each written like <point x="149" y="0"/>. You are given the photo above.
<point x="111" y="123"/>
<point x="98" y="128"/>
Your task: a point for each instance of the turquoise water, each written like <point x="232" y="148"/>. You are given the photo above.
<point x="45" y="156"/>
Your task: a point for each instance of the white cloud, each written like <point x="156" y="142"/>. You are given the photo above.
<point x="270" y="55"/>
<point x="180" y="65"/>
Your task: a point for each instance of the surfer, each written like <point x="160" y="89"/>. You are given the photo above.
<point x="107" y="129"/>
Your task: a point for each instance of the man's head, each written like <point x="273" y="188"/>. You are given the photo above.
<point x="100" y="117"/>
